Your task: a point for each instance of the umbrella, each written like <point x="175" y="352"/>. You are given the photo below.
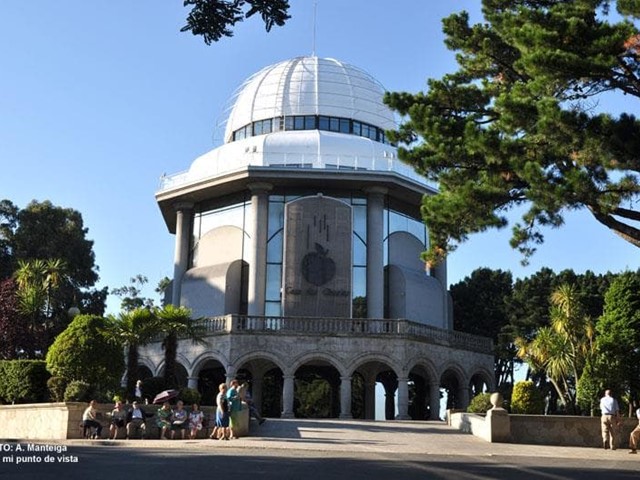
<point x="165" y="396"/>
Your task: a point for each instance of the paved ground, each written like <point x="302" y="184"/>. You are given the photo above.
<point x="320" y="449"/>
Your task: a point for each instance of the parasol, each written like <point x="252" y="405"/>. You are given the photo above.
<point x="165" y="396"/>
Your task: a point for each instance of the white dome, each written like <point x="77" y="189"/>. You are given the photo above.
<point x="309" y="86"/>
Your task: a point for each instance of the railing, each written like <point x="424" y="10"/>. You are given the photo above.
<point x="372" y="163"/>
<point x="348" y="326"/>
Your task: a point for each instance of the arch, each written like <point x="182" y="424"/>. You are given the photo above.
<point x="146" y="362"/>
<point x="182" y="373"/>
<point x="454" y="368"/>
<point x="318" y="389"/>
<point x="454" y="382"/>
<point x="480" y="381"/>
<point x="364" y="358"/>
<point x="309" y="357"/>
<point x="425" y="363"/>
<point x="199" y="361"/>
<point x="259" y="355"/>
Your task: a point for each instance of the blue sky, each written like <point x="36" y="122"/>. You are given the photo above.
<point x="99" y="99"/>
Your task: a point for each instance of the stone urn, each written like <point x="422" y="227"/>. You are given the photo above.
<point x="496" y="400"/>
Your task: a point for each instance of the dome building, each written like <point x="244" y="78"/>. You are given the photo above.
<point x="299" y="240"/>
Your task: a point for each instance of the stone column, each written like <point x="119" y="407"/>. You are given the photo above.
<point x="258" y="254"/>
<point x="192" y="382"/>
<point x="370" y="399"/>
<point x="463" y="392"/>
<point x="181" y="254"/>
<point x="345" y="397"/>
<point x="375" y="251"/>
<point x="434" y="400"/>
<point x="403" y="399"/>
<point x="287" y="396"/>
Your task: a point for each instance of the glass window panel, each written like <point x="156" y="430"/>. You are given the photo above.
<point x="359" y="201"/>
<point x="288" y="123"/>
<point x="310" y="122"/>
<point x="274" y="248"/>
<point x="298" y="123"/>
<point x="323" y="123"/>
<point x="356" y="127"/>
<point x="290" y="198"/>
<point x="372" y="133"/>
<point x="274" y="281"/>
<point x="266" y="126"/>
<point x="272" y="309"/>
<point x="359" y="251"/>
<point x="334" y="124"/>
<point x="364" y="131"/>
<point x="257" y="128"/>
<point x="276" y="217"/>
<point x="217" y="218"/>
<point x="345" y="125"/>
<point x="359" y="282"/>
<point x="360" y="221"/>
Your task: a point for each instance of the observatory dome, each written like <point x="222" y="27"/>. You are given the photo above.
<point x="309" y="86"/>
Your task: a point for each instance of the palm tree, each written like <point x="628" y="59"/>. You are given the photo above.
<point x="37" y="282"/>
<point x="562" y="349"/>
<point x="133" y="329"/>
<point x="176" y="322"/>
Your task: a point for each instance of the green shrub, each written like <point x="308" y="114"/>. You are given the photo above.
<point x="526" y="399"/>
<point x="481" y="403"/>
<point x="85" y="351"/>
<point x="23" y="381"/>
<point x="78" y="391"/>
<point x="57" y="386"/>
<point x="190" y="396"/>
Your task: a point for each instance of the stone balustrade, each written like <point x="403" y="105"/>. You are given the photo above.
<point x="347" y="326"/>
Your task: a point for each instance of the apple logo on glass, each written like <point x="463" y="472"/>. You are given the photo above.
<point x="317" y="267"/>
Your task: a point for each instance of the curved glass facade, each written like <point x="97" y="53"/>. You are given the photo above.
<point x="239" y="214"/>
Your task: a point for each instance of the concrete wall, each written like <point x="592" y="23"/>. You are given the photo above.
<point x="559" y="430"/>
<point x="44" y="421"/>
<point x="61" y="421"/>
<point x="564" y="430"/>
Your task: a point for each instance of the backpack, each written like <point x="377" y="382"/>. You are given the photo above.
<point x="224" y="404"/>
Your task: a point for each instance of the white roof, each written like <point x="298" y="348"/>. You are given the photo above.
<point x="310" y="86"/>
<point x="303" y="86"/>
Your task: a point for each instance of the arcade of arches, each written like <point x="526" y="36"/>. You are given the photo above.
<point x="319" y="387"/>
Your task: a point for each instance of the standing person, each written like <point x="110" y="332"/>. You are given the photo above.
<point x="235" y="405"/>
<point x="608" y="422"/>
<point x="634" y="438"/>
<point x="137" y="393"/>
<point x="222" y="415"/>
<point x="90" y="420"/>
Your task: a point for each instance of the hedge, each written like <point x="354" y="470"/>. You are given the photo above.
<point x="23" y="381"/>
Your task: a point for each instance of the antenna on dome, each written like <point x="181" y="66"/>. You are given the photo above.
<point x="313" y="44"/>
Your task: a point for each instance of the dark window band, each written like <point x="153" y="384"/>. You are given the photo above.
<point x="311" y="122"/>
